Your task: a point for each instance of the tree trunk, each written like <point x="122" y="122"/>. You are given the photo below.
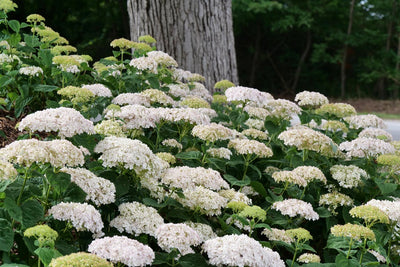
<point x="344" y="59"/>
<point x="301" y="62"/>
<point x="198" y="34"/>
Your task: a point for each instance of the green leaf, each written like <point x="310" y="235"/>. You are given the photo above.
<point x="386" y="188"/>
<point x="259" y="188"/>
<point x="13" y="209"/>
<point x="121" y="185"/>
<point x="262" y="225"/>
<point x="45" y="88"/>
<point x="6" y="235"/>
<point x="189" y="155"/>
<point x="32" y="212"/>
<point x="190" y="260"/>
<point x="153" y="203"/>
<point x="154" y="83"/>
<point x="233" y="181"/>
<point x="6" y="80"/>
<point x="323" y="212"/>
<point x="46" y="58"/>
<point x="14" y="25"/>
<point x="342" y="261"/>
<point x="74" y="193"/>
<point x="47" y="254"/>
<point x="14" y="265"/>
<point x="256" y="169"/>
<point x="20" y="105"/>
<point x="59" y="181"/>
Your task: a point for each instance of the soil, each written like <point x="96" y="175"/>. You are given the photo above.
<point x="367" y="105"/>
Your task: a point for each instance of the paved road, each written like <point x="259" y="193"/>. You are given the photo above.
<point x="393" y="127"/>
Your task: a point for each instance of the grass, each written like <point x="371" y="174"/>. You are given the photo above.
<point x="383" y="115"/>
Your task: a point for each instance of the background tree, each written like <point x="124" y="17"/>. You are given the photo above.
<point x="198" y="34"/>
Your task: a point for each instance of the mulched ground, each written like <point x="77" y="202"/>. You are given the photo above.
<point x="7" y="126"/>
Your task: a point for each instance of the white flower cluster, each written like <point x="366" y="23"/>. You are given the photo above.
<point x="4" y="58"/>
<point x="200" y="90"/>
<point x="98" y="89"/>
<point x="120" y="249"/>
<point x="158" y="96"/>
<point x="282" y="109"/>
<point x="255" y="124"/>
<point x="145" y="63"/>
<point x="391" y="208"/>
<point x="289" y="177"/>
<point x="135" y="116"/>
<point x="245" y="147"/>
<point x="240" y="250"/>
<point x="180" y="75"/>
<point x="31" y="71"/>
<point x="162" y="58"/>
<point x="67" y="122"/>
<point x="366" y="147"/>
<point x="305" y="138"/>
<point x="220" y="152"/>
<point x="188" y="178"/>
<point x="332" y="126"/>
<point x="233" y="195"/>
<point x="59" y="153"/>
<point x="257" y="112"/>
<point x="136" y="218"/>
<point x="179" y="236"/>
<point x="178" y="90"/>
<point x="7" y="170"/>
<point x="310" y="173"/>
<point x="246" y="94"/>
<point x="309" y="258"/>
<point x="376" y="133"/>
<point x="203" y="200"/>
<point x="110" y="128"/>
<point x="172" y="143"/>
<point x="131" y="99"/>
<point x="84" y="217"/>
<point x="340" y="110"/>
<point x="293" y="207"/>
<point x="212" y="132"/>
<point x="131" y="154"/>
<point x="190" y="115"/>
<point x="256" y="134"/>
<point x="311" y="99"/>
<point x="348" y="176"/>
<point x="275" y="234"/>
<point x="204" y="230"/>
<point x="334" y="200"/>
<point x="99" y="190"/>
<point x="365" y="121"/>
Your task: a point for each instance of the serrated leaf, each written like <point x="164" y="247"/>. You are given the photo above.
<point x="13" y="209"/>
<point x="342" y="261"/>
<point x="259" y="188"/>
<point x="45" y="88"/>
<point x="233" y="181"/>
<point x="32" y="212"/>
<point x="153" y="203"/>
<point x="47" y="254"/>
<point x="14" y="25"/>
<point x="190" y="260"/>
<point x="189" y="155"/>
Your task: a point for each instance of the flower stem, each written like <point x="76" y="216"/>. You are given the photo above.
<point x="348" y="252"/>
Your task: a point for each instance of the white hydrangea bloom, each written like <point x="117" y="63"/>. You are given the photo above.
<point x="282" y="109"/>
<point x="309" y="258"/>
<point x="131" y="154"/>
<point x="255" y="124"/>
<point x="172" y="143"/>
<point x="67" y="122"/>
<point x="84" y="217"/>
<point x="4" y="58"/>
<point x="162" y="58"/>
<point x="305" y="138"/>
<point x="158" y="96"/>
<point x="277" y="235"/>
<point x="188" y="178"/>
<point x="179" y="236"/>
<point x="246" y="94"/>
<point x="296" y="207"/>
<point x="99" y="190"/>
<point x="136" y="116"/>
<point x="365" y="121"/>
<point x="120" y="249"/>
<point x="98" y="89"/>
<point x="233" y="195"/>
<point x="257" y="112"/>
<point x="376" y="133"/>
<point x="131" y="99"/>
<point x="203" y="200"/>
<point x="145" y="63"/>
<point x="110" y="128"/>
<point x="136" y="218"/>
<point x="58" y="153"/>
<point x="7" y="170"/>
<point x="31" y="71"/>
<point x="212" y="132"/>
<point x="311" y="99"/>
<point x="190" y="115"/>
<point x="348" y="176"/>
<point x="310" y="173"/>
<point x="220" y="152"/>
<point x="178" y="90"/>
<point x="334" y="200"/>
<point x="245" y="147"/>
<point x="366" y="147"/>
<point x="289" y="177"/>
<point x="204" y="230"/>
<point x="391" y="208"/>
<point x="200" y="91"/>
<point x="240" y="250"/>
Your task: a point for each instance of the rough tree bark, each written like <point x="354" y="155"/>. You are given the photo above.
<point x="198" y="34"/>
